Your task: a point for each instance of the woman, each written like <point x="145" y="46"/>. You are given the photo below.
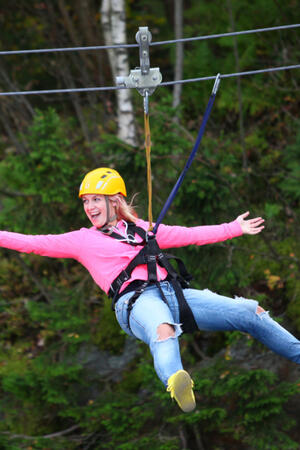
<point x="116" y="239"/>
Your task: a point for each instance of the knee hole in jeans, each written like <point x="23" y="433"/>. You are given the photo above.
<point x="259" y="310"/>
<point x="165" y="331"/>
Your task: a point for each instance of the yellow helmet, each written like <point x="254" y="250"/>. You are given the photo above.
<point x="103" y="181"/>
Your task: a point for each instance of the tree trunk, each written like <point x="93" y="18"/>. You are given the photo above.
<point x="239" y="88"/>
<point x="178" y="24"/>
<point x="86" y="65"/>
<point x="114" y="30"/>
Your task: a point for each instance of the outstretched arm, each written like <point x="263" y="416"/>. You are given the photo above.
<point x="66" y="245"/>
<point x="250" y="226"/>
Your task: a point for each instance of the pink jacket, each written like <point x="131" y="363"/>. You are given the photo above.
<point x="105" y="257"/>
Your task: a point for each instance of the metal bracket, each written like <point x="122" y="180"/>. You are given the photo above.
<point x="141" y="82"/>
<point x="143" y="78"/>
<point x="143" y="37"/>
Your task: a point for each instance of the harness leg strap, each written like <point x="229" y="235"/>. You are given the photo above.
<point x="133" y="299"/>
<point x="187" y="318"/>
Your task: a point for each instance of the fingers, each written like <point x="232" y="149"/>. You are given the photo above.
<point x="256" y="230"/>
<point x="256" y="221"/>
<point x="246" y="214"/>
<point x="253" y="226"/>
<point x="250" y="226"/>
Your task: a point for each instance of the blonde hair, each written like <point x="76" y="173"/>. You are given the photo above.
<point x="124" y="210"/>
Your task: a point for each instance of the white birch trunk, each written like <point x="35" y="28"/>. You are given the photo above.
<point x="178" y="21"/>
<point x="114" y="29"/>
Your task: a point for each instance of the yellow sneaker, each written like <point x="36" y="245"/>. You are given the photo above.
<point x="180" y="386"/>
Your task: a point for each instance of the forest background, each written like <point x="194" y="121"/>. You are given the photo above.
<point x="69" y="378"/>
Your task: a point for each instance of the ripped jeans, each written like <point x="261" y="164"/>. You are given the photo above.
<point x="212" y="312"/>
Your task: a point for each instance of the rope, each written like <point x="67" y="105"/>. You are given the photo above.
<point x="149" y="175"/>
<point x="173" y="41"/>
<point x="166" y="83"/>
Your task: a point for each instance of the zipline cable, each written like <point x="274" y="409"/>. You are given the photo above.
<point x="232" y="33"/>
<point x="165" y="83"/>
<point x="146" y="114"/>
<point x="229" y="75"/>
<point x="173" y="41"/>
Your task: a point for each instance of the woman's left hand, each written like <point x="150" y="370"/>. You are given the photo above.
<point x="250" y="226"/>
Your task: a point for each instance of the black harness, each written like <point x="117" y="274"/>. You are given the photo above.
<point x="151" y="255"/>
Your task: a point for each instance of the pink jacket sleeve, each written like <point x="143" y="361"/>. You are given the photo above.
<point x="64" y="245"/>
<point x="177" y="236"/>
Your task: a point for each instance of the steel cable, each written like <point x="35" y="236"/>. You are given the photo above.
<point x="163" y="84"/>
<point x="173" y="41"/>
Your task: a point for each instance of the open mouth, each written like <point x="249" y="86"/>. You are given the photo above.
<point x="95" y="215"/>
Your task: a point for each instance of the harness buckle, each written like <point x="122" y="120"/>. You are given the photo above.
<point x="120" y="280"/>
<point x="150" y="258"/>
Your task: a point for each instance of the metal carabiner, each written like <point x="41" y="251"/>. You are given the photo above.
<point x="216" y="84"/>
<point x="146" y="101"/>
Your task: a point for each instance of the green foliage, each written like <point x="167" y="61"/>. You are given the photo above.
<point x="290" y="177"/>
<point x="256" y="51"/>
<point x="251" y="403"/>
<point x="52" y="317"/>
<point x="106" y="330"/>
<point x="46" y="176"/>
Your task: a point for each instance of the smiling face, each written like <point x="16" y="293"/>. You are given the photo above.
<point x="95" y="207"/>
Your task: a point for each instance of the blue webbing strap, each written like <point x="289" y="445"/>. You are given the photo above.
<point x="192" y="155"/>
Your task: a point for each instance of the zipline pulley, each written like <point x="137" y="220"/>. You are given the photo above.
<point x="143" y="38"/>
<point x="144" y="78"/>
